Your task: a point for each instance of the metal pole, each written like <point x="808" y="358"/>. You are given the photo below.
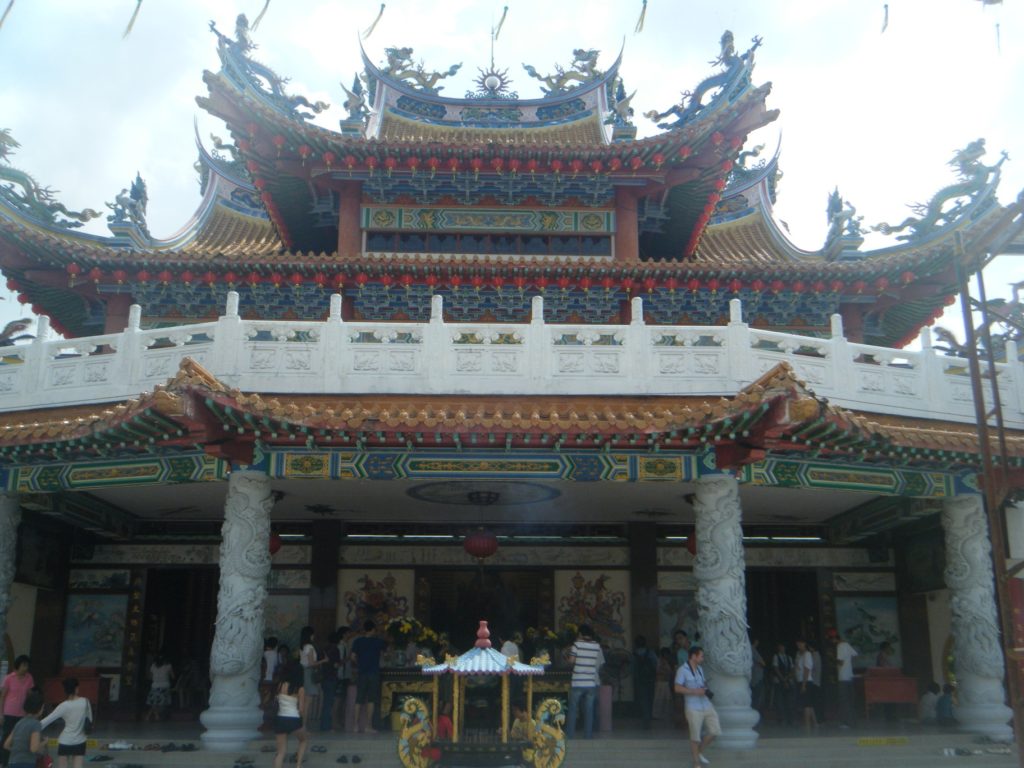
<point x="993" y="495"/>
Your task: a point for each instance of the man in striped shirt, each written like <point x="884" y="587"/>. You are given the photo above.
<point x="586" y="658"/>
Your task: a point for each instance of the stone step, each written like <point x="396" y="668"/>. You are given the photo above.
<point x="614" y="751"/>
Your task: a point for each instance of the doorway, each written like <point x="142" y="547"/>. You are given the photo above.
<point x="178" y="622"/>
<point x="508" y="600"/>
<point x="782" y="606"/>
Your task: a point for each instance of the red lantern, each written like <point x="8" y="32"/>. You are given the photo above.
<point x="627" y="284"/>
<point x="274" y="544"/>
<point x="295" y="279"/>
<point x="73" y="271"/>
<point x="455" y="281"/>
<point x="278" y="142"/>
<point x="635" y="162"/>
<point x="908" y="277"/>
<point x="693" y="284"/>
<point x="386" y="280"/>
<point x="497" y="164"/>
<point x="165" y="276"/>
<point x="476" y="164"/>
<point x="649" y="283"/>
<point x="556" y="166"/>
<point x="96" y="274"/>
<point x="276" y="278"/>
<point x="735" y="285"/>
<point x="881" y="284"/>
<point x="717" y="138"/>
<point x="757" y="285"/>
<point x="231" y="278"/>
<point x="607" y="283"/>
<point x="576" y="165"/>
<point x="658" y="159"/>
<point x="818" y="286"/>
<point x="476" y="281"/>
<point x="413" y="163"/>
<point x="685" y="152"/>
<point x="713" y="284"/>
<point x="329" y="159"/>
<point x="142" y="276"/>
<point x="726" y="166"/>
<point x="480" y="544"/>
<point x="614" y="164"/>
<point x="405" y="280"/>
<point x="798" y="286"/>
<point x="564" y="283"/>
<point x="672" y="283"/>
<point x="532" y="165"/>
<point x="836" y="286"/>
<point x="859" y="286"/>
<point x="251" y="128"/>
<point x="338" y="281"/>
<point x="371" y="163"/>
<point x="209" y="277"/>
<point x="430" y="280"/>
<point x="350" y="160"/>
<point x="304" y="152"/>
<point x="735" y="143"/>
<point x="253" y="279"/>
<point x="719" y="184"/>
<point x="433" y="164"/>
<point x="777" y="286"/>
<point x="541" y="283"/>
<point x="320" y="279"/>
<point x="498" y="281"/>
<point x="453" y="165"/>
<point x="260" y="183"/>
<point x="252" y="166"/>
<point x="585" y="283"/>
<point x="390" y="164"/>
<point x="187" y="277"/>
<point x="597" y="166"/>
<point x="519" y="282"/>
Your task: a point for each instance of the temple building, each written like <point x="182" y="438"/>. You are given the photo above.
<point x="496" y="357"/>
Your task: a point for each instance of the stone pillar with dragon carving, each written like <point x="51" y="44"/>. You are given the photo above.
<point x="722" y="605"/>
<point x="975" y="621"/>
<point x="10" y="518"/>
<point x="234" y="716"/>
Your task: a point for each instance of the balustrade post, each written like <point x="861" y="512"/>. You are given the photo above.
<point x="227" y="344"/>
<point x="33" y="379"/>
<point x="738" y="343"/>
<point x="539" y="351"/>
<point x="1014" y="373"/>
<point x="929" y="373"/>
<point x="333" y="349"/>
<point x="841" y="362"/>
<point x="638" y="350"/>
<point x="438" y="356"/>
<point x="129" y="353"/>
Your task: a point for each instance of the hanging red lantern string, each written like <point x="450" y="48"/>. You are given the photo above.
<point x="329" y="159"/>
<point x="304" y="152"/>
<point x="73" y="271"/>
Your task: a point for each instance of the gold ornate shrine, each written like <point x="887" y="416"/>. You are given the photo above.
<point x="417" y="744"/>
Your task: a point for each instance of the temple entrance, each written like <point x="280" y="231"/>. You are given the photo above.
<point x="782" y="606"/>
<point x="178" y="622"/>
<point x="509" y="600"/>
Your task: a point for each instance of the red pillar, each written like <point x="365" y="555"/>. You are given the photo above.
<point x="350" y="235"/>
<point x="627" y="230"/>
<point x="116" y="319"/>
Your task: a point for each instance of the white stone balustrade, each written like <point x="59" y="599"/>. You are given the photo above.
<point x="337" y="357"/>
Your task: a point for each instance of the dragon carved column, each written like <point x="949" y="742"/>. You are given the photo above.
<point x="975" y="622"/>
<point x="722" y="606"/>
<point x="234" y="715"/>
<point x="10" y="518"/>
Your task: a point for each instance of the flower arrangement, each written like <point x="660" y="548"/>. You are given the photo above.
<point x="403" y="630"/>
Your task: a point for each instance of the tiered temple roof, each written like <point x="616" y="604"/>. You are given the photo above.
<point x="488" y="200"/>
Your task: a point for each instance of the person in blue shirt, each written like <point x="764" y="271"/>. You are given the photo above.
<point x="700" y="713"/>
<point x="366" y="652"/>
<point x="944" y="707"/>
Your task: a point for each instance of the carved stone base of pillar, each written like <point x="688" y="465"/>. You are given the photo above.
<point x="737" y="718"/>
<point x="230" y="729"/>
<point x="981" y="710"/>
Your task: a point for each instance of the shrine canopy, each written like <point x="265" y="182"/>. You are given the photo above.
<point x="482" y="659"/>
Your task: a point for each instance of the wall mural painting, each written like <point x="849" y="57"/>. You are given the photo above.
<point x="866" y="623"/>
<point x="676" y="611"/>
<point x="94" y="630"/>
<point x="284" y="617"/>
<point x="597" y="598"/>
<point x="380" y="595"/>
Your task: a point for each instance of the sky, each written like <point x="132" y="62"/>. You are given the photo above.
<point x="878" y="113"/>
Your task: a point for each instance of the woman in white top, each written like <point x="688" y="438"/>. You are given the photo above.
<point x="291" y="703"/>
<point x="75" y="711"/>
<point x="159" y="698"/>
<point x="310" y="661"/>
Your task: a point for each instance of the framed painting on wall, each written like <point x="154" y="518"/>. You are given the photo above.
<point x="94" y="630"/>
<point x="866" y="622"/>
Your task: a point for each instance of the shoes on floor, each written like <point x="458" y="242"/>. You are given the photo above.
<point x="703" y="760"/>
<point x="343" y="760"/>
<point x="356" y="759"/>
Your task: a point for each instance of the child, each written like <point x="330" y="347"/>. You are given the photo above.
<point x="25" y="741"/>
<point x="522" y="725"/>
<point x="944" y="707"/>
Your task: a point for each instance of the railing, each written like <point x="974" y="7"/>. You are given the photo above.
<point x="336" y="357"/>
